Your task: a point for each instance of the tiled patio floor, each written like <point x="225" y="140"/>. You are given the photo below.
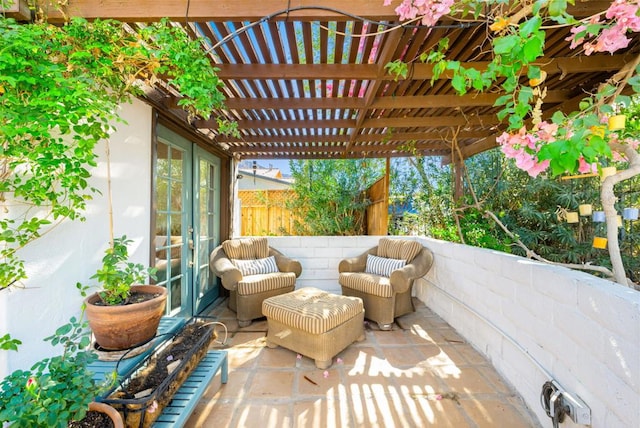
<point x="420" y="374"/>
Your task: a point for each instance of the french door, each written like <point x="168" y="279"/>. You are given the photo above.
<point x="187" y="217"/>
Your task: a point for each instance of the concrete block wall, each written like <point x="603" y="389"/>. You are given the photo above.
<point x="531" y="320"/>
<point x="534" y="321"/>
<point x="321" y="255"/>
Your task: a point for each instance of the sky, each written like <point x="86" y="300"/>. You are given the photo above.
<point x="281" y="164"/>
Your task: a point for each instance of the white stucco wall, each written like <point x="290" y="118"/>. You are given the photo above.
<point x="72" y="251"/>
<point x="529" y="319"/>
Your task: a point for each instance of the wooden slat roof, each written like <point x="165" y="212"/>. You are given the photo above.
<point x="303" y="83"/>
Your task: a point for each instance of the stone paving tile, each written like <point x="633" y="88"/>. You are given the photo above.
<point x="267" y="384"/>
<point x="421" y="373"/>
<point x="322" y="413"/>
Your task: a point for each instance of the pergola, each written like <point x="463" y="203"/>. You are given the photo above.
<point x="307" y="79"/>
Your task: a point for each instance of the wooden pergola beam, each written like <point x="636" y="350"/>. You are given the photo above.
<point x="293" y="103"/>
<point x="344" y="155"/>
<point x="419" y="71"/>
<point x="392" y="122"/>
<point x="250" y="10"/>
<point x="391" y="138"/>
<point x="236" y="10"/>
<point x="433" y="121"/>
<point x="420" y="101"/>
<point x="355" y="148"/>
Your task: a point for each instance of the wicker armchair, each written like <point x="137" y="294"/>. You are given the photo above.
<point x="384" y="286"/>
<point x="252" y="271"/>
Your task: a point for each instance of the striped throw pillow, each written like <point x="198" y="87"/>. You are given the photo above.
<point x="256" y="266"/>
<point x="382" y="265"/>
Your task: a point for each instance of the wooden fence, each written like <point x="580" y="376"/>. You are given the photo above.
<point x="264" y="213"/>
<point x="378" y="211"/>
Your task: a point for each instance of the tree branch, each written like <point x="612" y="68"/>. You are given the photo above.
<point x="534" y="256"/>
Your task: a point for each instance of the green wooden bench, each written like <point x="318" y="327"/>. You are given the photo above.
<point x="186" y="398"/>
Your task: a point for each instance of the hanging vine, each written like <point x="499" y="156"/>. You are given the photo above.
<point x="60" y="90"/>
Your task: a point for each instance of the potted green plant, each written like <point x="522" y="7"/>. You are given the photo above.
<point x="124" y="313"/>
<point x="55" y="390"/>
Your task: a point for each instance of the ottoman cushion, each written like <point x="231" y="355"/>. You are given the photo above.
<point x="367" y="283"/>
<point x="312" y="310"/>
<point x="256" y="284"/>
<point x="314" y="323"/>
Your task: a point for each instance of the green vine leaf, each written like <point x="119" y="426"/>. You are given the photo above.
<point x="60" y="88"/>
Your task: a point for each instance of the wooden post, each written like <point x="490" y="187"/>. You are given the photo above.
<point x="387" y="179"/>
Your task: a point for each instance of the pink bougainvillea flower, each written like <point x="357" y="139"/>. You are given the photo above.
<point x="572" y="38"/>
<point x="538" y="167"/>
<point x="622" y="16"/>
<point x="589" y="48"/>
<point x="586" y="168"/>
<point x="299" y="357"/>
<point x="612" y="39"/>
<point x="547" y="131"/>
<point x="325" y="374"/>
<point x="339" y="360"/>
<point x="625" y="13"/>
<point x="511" y="152"/>
<point x="522" y="147"/>
<point x="430" y="10"/>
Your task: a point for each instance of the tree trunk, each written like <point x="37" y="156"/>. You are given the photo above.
<point x="608" y="198"/>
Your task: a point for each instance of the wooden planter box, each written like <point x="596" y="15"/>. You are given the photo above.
<point x="141" y="398"/>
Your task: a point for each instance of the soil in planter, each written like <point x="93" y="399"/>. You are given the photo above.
<point x="135" y="297"/>
<point x="92" y="419"/>
<point x="141" y="388"/>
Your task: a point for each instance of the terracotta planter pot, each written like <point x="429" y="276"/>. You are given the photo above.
<point x="109" y="411"/>
<point x="125" y="326"/>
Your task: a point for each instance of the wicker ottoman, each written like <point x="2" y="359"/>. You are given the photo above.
<point x="314" y="323"/>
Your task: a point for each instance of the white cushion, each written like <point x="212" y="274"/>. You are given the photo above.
<point x="256" y="266"/>
<point x="382" y="265"/>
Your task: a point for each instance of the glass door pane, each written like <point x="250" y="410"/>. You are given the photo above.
<point x="206" y="232"/>
<point x="187" y="222"/>
<point x="171" y="191"/>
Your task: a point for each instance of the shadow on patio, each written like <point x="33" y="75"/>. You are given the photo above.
<point x="423" y="373"/>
